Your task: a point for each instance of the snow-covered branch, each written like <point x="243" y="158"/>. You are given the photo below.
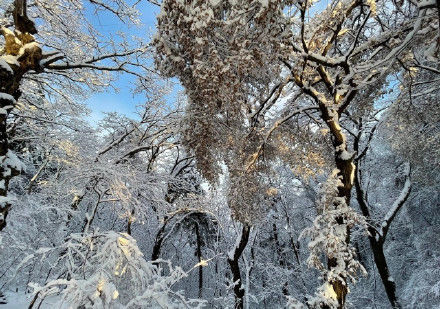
<point x="398" y="203"/>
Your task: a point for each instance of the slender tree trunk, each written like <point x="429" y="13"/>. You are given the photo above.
<point x="37" y="174"/>
<point x="376" y="240"/>
<point x="233" y="260"/>
<point x="382" y="268"/>
<point x="281" y="256"/>
<point x="158" y="242"/>
<point x="376" y="244"/>
<point x="130" y="222"/>
<point x="199" y="257"/>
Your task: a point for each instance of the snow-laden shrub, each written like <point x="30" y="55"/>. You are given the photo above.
<point x="107" y="270"/>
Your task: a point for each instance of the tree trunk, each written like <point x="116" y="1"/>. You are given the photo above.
<point x="8" y="164"/>
<point x="346" y="171"/>
<point x="376" y="244"/>
<point x="330" y="114"/>
<point x="10" y="78"/>
<point x="281" y="256"/>
<point x="233" y="260"/>
<point x="382" y="268"/>
<point x="158" y="241"/>
<point x="130" y="222"/>
<point x="199" y="257"/>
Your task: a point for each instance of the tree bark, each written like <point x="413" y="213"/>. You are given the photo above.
<point x="376" y="244"/>
<point x="382" y="268"/>
<point x="281" y="256"/>
<point x="233" y="260"/>
<point x="330" y="114"/>
<point x="199" y="257"/>
<point x="10" y="78"/>
<point x="376" y="239"/>
<point x="346" y="170"/>
<point x="130" y="222"/>
<point x="158" y="241"/>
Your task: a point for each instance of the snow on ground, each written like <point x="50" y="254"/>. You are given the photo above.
<point x="21" y="300"/>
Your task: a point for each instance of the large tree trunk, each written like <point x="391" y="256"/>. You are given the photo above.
<point x="233" y="260"/>
<point x="330" y="114"/>
<point x="346" y="172"/>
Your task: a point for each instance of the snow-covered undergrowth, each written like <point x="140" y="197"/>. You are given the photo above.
<point x="104" y="270"/>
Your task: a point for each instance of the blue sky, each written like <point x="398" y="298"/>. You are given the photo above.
<point x="122" y="101"/>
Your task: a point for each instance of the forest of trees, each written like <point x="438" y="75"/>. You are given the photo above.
<point x="297" y="168"/>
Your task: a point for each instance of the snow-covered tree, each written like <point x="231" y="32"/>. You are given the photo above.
<point x="335" y="58"/>
<point x="41" y="53"/>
